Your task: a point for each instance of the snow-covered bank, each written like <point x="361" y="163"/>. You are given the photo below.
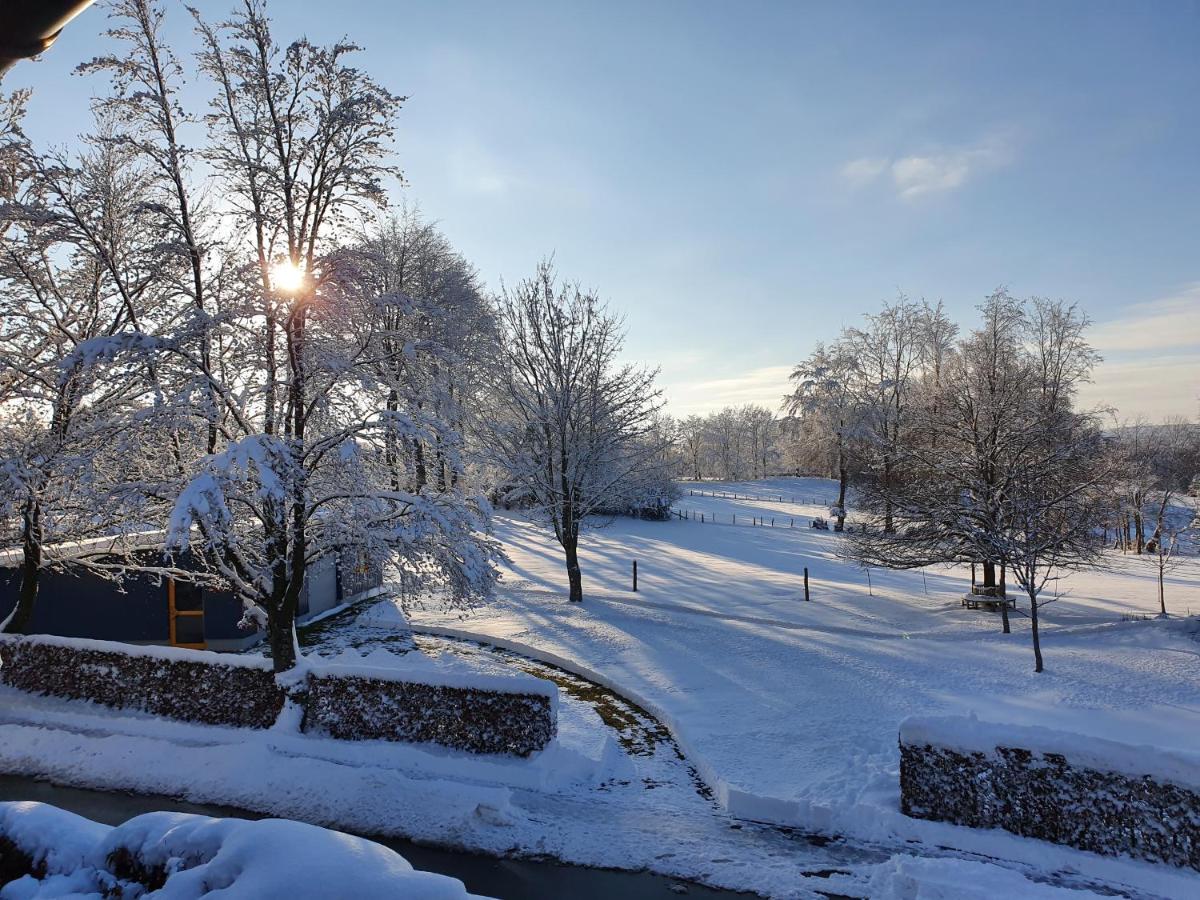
<point x="790" y="709"/>
<point x="194" y="856"/>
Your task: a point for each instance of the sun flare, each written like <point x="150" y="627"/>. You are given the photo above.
<point x="287" y="276"/>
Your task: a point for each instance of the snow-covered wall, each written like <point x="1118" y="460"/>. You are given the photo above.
<point x="191" y="685"/>
<point x="1083" y="791"/>
<point x="406" y="699"/>
<point x="491" y="718"/>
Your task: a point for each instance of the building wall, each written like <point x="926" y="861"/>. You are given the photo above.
<point x="137" y="610"/>
<point x="86" y="605"/>
<point x="321" y="586"/>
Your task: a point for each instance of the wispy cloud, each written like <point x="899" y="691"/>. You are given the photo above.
<point x="861" y="172"/>
<point x="944" y="170"/>
<point x="474" y="170"/>
<point x="1166" y="324"/>
<point x="1151" y="358"/>
<point x="765" y="386"/>
<point x="1155" y="388"/>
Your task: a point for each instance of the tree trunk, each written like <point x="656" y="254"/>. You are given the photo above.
<point x="843" y="478"/>
<point x="989" y="574"/>
<point x="440" y="465"/>
<point x="280" y="633"/>
<point x="419" y="464"/>
<point x="391" y="454"/>
<point x="1033" y="622"/>
<point x="574" y="576"/>
<point x="1162" y="594"/>
<point x="1139" y="539"/>
<point x="22" y="615"/>
<point x="31" y="569"/>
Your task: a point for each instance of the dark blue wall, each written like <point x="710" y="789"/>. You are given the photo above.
<point x="86" y="605"/>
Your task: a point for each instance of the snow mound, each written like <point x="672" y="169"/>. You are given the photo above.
<point x="206" y="857"/>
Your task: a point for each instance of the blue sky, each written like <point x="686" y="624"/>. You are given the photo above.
<point x="743" y="179"/>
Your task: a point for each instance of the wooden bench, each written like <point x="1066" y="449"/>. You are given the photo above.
<point x="983" y="601"/>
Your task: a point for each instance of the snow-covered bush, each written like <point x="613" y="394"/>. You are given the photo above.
<point x="47" y="852"/>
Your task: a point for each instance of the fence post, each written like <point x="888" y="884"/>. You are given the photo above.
<point x="791" y="523"/>
<point x="870" y="589"/>
<point x="806" y="597"/>
<point x="924" y="582"/>
<point x="772" y="521"/>
<point x="635" y="576"/>
<point x="701" y="518"/>
<point x="735" y="518"/>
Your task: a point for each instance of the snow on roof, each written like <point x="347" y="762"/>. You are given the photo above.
<point x="106" y="545"/>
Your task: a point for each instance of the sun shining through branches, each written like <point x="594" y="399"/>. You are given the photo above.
<point x="288" y="277"/>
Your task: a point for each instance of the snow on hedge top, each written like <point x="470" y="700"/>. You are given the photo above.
<point x="203" y="856"/>
<point x="442" y="671"/>
<point x="968" y="734"/>
<point x="379" y="665"/>
<point x="170" y="654"/>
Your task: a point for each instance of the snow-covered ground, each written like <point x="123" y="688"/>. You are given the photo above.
<point x="786" y="712"/>
<point x="791" y="710"/>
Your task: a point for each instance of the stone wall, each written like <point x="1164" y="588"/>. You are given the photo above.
<point x="189" y="685"/>
<point x="352" y="707"/>
<point x="1050" y="793"/>
<point x="478" y="714"/>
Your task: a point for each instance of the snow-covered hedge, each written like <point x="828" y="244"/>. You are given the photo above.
<point x="47" y="852"/>
<point x="190" y="685"/>
<point x="463" y="710"/>
<point x="1072" y="789"/>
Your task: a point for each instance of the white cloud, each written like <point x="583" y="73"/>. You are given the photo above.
<point x="861" y="172"/>
<point x="1170" y="323"/>
<point x="764" y="386"/>
<point x="1154" y="388"/>
<point x="945" y="170"/>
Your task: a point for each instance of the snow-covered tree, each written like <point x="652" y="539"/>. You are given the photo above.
<point x="75" y="278"/>
<point x="257" y="317"/>
<point x="887" y="352"/>
<point x="572" y="429"/>
<point x="1005" y="470"/>
<point x="824" y="405"/>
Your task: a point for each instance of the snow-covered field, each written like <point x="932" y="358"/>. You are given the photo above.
<point x="791" y="710"/>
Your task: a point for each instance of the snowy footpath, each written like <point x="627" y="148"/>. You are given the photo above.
<point x="790" y="710"/>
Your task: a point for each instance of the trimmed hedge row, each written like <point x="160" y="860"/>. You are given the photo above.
<point x="201" y="686"/>
<point x="165" y="684"/>
<point x="1045" y="796"/>
<point x="464" y="718"/>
